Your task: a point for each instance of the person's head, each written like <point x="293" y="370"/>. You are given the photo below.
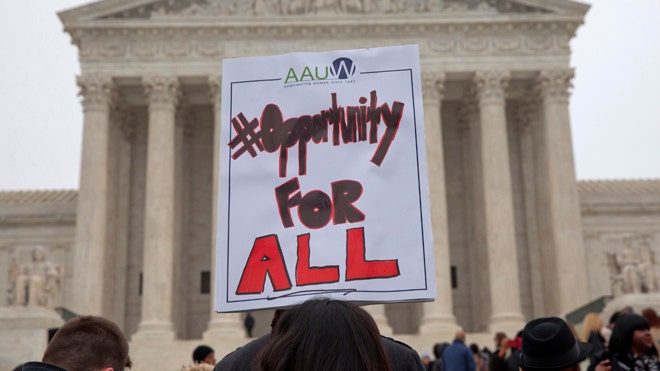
<point x="460" y="335"/>
<point x="426" y="358"/>
<point x="613" y="318"/>
<point x="590" y="323"/>
<point x="498" y="339"/>
<point x="549" y="345"/>
<point x="651" y="316"/>
<point x="204" y="354"/>
<point x="438" y="348"/>
<point x="324" y="334"/>
<point x="631" y="334"/>
<point x="88" y="343"/>
<point x="474" y="348"/>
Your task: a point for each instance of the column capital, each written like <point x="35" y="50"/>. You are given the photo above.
<point x="433" y="85"/>
<point x="97" y="91"/>
<point x="161" y="90"/>
<point x="554" y="84"/>
<point x="491" y="86"/>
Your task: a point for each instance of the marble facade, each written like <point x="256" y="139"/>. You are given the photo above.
<point x="507" y="212"/>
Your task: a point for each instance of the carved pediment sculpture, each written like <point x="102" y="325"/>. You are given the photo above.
<point x="213" y="8"/>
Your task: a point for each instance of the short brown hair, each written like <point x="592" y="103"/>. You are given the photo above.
<point x="88" y="342"/>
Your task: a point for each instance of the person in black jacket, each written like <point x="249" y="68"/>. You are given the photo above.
<point x="548" y="344"/>
<point x="400" y="356"/>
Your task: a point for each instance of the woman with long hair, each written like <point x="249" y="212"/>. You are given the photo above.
<point x="591" y="333"/>
<point x="324" y="334"/>
<point x="631" y="345"/>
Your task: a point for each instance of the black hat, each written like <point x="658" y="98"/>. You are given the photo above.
<point x="201" y="352"/>
<point x="548" y="343"/>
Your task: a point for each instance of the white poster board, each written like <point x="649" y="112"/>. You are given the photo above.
<point x="323" y="185"/>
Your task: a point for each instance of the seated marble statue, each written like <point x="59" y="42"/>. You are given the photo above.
<point x="36" y="283"/>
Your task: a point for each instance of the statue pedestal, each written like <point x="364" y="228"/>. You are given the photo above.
<point x="637" y="302"/>
<point x="24" y="334"/>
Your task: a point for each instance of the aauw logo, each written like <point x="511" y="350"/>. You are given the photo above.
<point x="340" y="69"/>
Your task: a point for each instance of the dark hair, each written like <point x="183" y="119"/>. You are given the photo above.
<point x="438" y="348"/>
<point x="201" y="352"/>
<point x="626" y="324"/>
<point x="324" y="334"/>
<point x="474" y="348"/>
<point x="88" y="342"/>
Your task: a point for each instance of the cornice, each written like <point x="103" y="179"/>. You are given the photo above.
<point x="623" y="186"/>
<point x="436" y="39"/>
<point x="620" y="197"/>
<point x="628" y="209"/>
<point x="418" y="22"/>
<point x="61" y="219"/>
<point x="37" y="197"/>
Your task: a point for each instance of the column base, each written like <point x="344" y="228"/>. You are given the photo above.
<point x="148" y="331"/>
<point x="509" y="323"/>
<point x="439" y="326"/>
<point x="223" y="326"/>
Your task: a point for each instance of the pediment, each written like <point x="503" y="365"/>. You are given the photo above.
<point x="187" y="9"/>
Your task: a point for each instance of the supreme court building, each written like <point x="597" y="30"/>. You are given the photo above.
<point x="515" y="235"/>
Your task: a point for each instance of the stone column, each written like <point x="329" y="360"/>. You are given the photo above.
<point x="526" y="117"/>
<point x="499" y="229"/>
<point x="473" y="211"/>
<point x="93" y="215"/>
<point x="125" y="120"/>
<point x="561" y="221"/>
<point x="162" y="93"/>
<point x="222" y="325"/>
<point x="438" y="319"/>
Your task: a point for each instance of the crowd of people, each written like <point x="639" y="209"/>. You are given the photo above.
<point x="328" y="334"/>
<point x="628" y="342"/>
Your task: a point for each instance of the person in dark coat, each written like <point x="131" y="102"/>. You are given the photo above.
<point x="631" y="345"/>
<point x="499" y="356"/>
<point x="457" y="356"/>
<point x="436" y="364"/>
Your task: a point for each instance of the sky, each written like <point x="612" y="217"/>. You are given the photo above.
<point x="614" y="106"/>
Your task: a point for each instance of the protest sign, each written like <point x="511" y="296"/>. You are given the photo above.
<point x="323" y="186"/>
